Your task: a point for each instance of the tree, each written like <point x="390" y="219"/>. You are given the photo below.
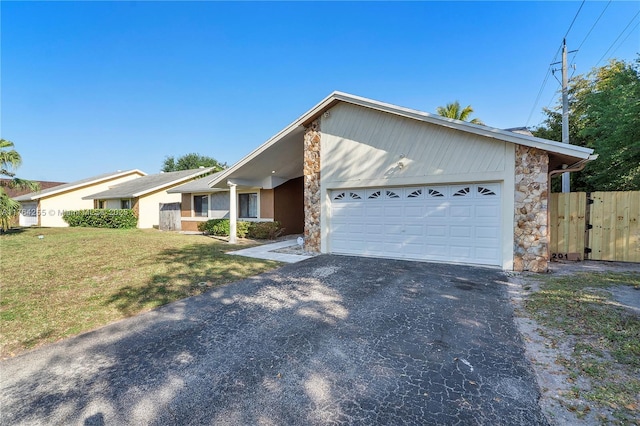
<point x="453" y="110"/>
<point x="191" y="161"/>
<point x="604" y="114"/>
<point x="9" y="161"/>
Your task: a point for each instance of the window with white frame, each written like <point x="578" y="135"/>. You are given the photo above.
<point x="125" y="203"/>
<point x="248" y="205"/>
<point x="201" y="205"/>
<point x="102" y="204"/>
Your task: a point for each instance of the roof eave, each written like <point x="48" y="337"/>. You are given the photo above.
<point x="307" y="118"/>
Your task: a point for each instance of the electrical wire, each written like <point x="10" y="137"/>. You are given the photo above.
<point x="589" y="33"/>
<point x="574" y="18"/>
<point x="546" y="77"/>
<point x="625" y="39"/>
<point x="617" y="38"/>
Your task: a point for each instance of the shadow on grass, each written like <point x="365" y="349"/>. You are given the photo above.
<point x="187" y="271"/>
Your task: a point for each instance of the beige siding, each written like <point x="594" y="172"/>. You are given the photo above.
<point x="361" y="147"/>
<point x="364" y="145"/>
<point x="52" y="207"/>
<point x="149" y="215"/>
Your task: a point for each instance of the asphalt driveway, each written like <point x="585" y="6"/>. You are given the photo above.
<point x="331" y="340"/>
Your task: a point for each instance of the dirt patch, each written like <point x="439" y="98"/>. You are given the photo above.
<point x="549" y="350"/>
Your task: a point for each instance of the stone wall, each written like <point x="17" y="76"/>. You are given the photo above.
<point x="531" y="197"/>
<point x="312" y="188"/>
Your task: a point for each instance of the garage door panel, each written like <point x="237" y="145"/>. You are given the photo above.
<point x="465" y="212"/>
<point x="458" y="231"/>
<point x="487" y="233"/>
<point x="483" y="211"/>
<point x="458" y="223"/>
<point x="437" y="231"/>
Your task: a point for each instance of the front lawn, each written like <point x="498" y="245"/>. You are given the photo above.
<point x="606" y="338"/>
<point x="73" y="280"/>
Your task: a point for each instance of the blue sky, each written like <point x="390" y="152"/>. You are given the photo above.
<point x="94" y="87"/>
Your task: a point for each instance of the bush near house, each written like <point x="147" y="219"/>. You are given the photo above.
<point x="265" y="230"/>
<point x="257" y="230"/>
<point x="101" y="218"/>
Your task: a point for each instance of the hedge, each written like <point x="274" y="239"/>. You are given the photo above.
<point x="258" y="230"/>
<point x="101" y="218"/>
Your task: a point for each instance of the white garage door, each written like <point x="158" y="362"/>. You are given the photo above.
<point x="453" y="223"/>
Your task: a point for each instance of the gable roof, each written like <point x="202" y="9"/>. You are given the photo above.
<point x="77" y="184"/>
<point x="197" y="185"/>
<point x="15" y="192"/>
<point x="147" y="184"/>
<point x="570" y="153"/>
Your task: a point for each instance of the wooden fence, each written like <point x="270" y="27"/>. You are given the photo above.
<point x="596" y="225"/>
<point x="169" y="217"/>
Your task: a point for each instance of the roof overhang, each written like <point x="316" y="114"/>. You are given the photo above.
<point x="282" y="154"/>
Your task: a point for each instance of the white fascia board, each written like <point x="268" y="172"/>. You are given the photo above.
<point x="486" y="131"/>
<point x="284" y="132"/>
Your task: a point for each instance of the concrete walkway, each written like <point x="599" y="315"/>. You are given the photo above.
<point x="266" y="251"/>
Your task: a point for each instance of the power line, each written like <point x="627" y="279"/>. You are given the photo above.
<point x="591" y="29"/>
<point x="625" y="39"/>
<point x="546" y="77"/>
<point x="617" y="38"/>
<point x="574" y="18"/>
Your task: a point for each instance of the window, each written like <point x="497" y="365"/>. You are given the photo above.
<point x="125" y="204"/>
<point x="248" y="205"/>
<point x="101" y="204"/>
<point x="201" y="205"/>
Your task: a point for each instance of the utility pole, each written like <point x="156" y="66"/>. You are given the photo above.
<point x="566" y="182"/>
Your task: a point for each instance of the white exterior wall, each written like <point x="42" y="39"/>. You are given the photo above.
<point x="149" y="207"/>
<point x="361" y="147"/>
<point x="51" y="208"/>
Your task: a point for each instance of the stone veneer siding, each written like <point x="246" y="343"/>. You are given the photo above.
<point x="530" y="216"/>
<point x="312" y="187"/>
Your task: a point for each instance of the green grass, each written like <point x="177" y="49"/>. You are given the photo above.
<point x="76" y="279"/>
<point x="607" y="349"/>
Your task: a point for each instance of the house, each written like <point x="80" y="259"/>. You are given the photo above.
<point x="25" y="219"/>
<point x="145" y="194"/>
<point x="45" y="207"/>
<point x="282" y="203"/>
<point x="386" y="181"/>
<point x="15" y="192"/>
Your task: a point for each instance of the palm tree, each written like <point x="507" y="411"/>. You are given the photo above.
<point x="10" y="160"/>
<point x="454" y="111"/>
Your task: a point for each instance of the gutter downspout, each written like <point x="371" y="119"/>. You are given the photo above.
<point x="575" y="167"/>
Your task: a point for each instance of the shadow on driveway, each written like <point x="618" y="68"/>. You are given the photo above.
<point x="332" y="339"/>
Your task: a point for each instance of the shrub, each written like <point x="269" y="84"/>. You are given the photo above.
<point x="265" y="230"/>
<point x="101" y="218"/>
<point x="220" y="227"/>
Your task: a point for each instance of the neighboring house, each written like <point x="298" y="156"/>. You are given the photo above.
<point x="282" y="203"/>
<point x="386" y="181"/>
<point x="45" y="207"/>
<point x="25" y="220"/>
<point x="144" y="195"/>
<point x="13" y="192"/>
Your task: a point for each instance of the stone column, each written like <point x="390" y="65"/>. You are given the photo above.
<point x="312" y="187"/>
<point x="530" y="216"/>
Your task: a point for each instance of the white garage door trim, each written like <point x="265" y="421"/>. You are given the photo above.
<point x="451" y="223"/>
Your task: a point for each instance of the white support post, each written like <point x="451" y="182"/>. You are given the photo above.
<point x="233" y="212"/>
